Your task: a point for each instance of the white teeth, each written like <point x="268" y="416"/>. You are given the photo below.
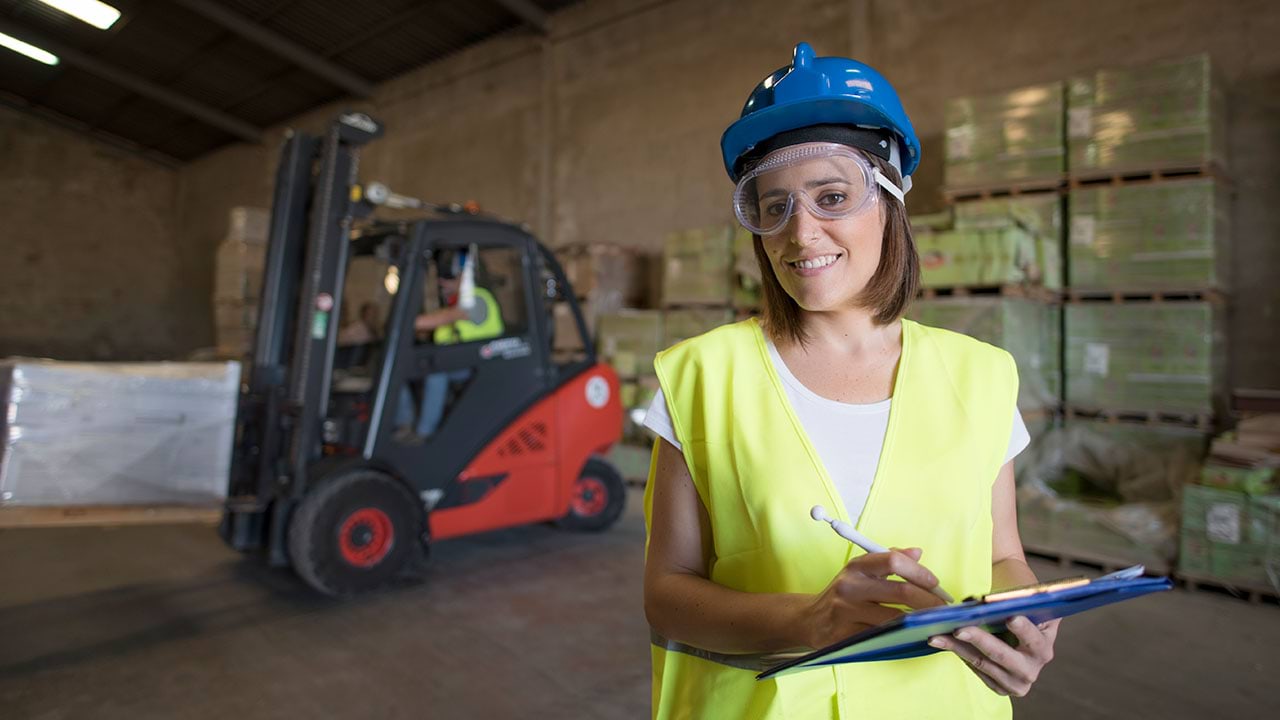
<point x="819" y="262"/>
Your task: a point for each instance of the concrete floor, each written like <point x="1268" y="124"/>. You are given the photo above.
<point x="164" y="622"/>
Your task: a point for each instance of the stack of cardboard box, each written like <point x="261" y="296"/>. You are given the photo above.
<point x="238" y="280"/>
<point x="1005" y="139"/>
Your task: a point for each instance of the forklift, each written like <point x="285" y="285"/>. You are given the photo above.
<point x="320" y="480"/>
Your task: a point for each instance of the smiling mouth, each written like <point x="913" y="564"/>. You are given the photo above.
<point x="814" y="263"/>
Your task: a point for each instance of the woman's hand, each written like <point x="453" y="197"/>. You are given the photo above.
<point x="1006" y="669"/>
<point x="856" y="599"/>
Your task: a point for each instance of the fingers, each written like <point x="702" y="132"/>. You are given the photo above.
<point x="894" y="592"/>
<point x="993" y="657"/>
<point x="895" y="562"/>
<point x="1031" y="640"/>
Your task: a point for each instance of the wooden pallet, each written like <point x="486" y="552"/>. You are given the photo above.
<point x="1084" y="557"/>
<point x="1027" y="292"/>
<point x="1141" y="176"/>
<point x="107" y="516"/>
<point x="1255" y="594"/>
<point x="1131" y="295"/>
<point x="1019" y="188"/>
<point x="1198" y="421"/>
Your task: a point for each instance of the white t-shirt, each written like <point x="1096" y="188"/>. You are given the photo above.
<point x="847" y="437"/>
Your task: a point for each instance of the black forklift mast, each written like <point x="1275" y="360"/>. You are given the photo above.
<point x="288" y="382"/>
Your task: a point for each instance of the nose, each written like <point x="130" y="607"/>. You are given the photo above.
<point x="804" y="227"/>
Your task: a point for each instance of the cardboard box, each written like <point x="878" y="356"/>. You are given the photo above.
<point x="1005" y="138"/>
<point x="249" y="225"/>
<point x="612" y="277"/>
<point x="680" y="325"/>
<point x="967" y="257"/>
<point x="238" y="269"/>
<point x="1230" y="537"/>
<point x="116" y="433"/>
<point x="628" y="340"/>
<point x="1171" y="235"/>
<point x="1030" y="331"/>
<point x="1145" y="357"/>
<point x="1160" y="115"/>
<point x="698" y="266"/>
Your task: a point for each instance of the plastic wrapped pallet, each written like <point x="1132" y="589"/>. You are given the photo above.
<point x="628" y="339"/>
<point x="1230" y="537"/>
<point x="680" y="325"/>
<point x="1004" y="139"/>
<point x="116" y="433"/>
<point x="1169" y="235"/>
<point x="1164" y="115"/>
<point x="1108" y="492"/>
<point x="1164" y="357"/>
<point x="698" y="266"/>
<point x="1030" y="331"/>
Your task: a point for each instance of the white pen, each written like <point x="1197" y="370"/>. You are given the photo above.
<point x="846" y="531"/>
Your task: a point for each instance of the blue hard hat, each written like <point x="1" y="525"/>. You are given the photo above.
<point x="820" y="91"/>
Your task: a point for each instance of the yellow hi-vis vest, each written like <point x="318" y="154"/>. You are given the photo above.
<point x="758" y="476"/>
<point x="467" y="331"/>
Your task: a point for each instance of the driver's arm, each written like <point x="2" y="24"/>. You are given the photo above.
<point x="427" y="322"/>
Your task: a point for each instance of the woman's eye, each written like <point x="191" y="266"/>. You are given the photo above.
<point x="775" y="209"/>
<point x="833" y="199"/>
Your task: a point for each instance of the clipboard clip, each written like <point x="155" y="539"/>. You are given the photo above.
<point x="1128" y="573"/>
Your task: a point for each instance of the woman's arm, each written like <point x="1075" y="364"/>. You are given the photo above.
<point x="682" y="604"/>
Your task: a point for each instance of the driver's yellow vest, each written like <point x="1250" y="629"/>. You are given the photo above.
<point x="758" y="476"/>
<point x="467" y="331"/>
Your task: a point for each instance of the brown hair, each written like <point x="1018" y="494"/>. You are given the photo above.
<point x="890" y="289"/>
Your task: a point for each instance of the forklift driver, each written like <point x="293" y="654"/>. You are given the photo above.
<point x="458" y="321"/>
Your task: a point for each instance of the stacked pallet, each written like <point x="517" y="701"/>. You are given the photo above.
<point x="238" y="268"/>
<point x="1141" y="204"/>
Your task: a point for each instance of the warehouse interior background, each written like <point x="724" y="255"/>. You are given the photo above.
<point x="593" y="123"/>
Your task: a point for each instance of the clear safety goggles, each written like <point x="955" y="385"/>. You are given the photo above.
<point x="829" y="180"/>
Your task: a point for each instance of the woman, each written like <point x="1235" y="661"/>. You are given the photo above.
<point x="831" y="399"/>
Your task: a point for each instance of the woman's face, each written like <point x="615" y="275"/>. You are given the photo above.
<point x="823" y="264"/>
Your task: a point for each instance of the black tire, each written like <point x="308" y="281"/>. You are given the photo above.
<point x="599" y="497"/>
<point x="355" y="531"/>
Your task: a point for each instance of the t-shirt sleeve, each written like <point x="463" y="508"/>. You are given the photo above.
<point x="478" y="312"/>
<point x="658" y="419"/>
<point x="1020" y="438"/>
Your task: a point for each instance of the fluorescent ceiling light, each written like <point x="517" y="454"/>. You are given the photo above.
<point x="97" y="14"/>
<point x="28" y="49"/>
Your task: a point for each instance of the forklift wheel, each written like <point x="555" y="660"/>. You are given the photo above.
<point x="354" y="532"/>
<point x="599" y="496"/>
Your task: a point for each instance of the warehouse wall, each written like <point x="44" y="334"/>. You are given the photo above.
<point x="89" y="266"/>
<point x="607" y="131"/>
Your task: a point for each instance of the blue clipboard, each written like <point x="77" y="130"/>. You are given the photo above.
<point x="907" y="636"/>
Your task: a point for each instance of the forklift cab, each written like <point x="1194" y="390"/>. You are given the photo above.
<point x="322" y="480"/>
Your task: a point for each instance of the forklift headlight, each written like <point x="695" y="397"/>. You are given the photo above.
<point x="329" y="430"/>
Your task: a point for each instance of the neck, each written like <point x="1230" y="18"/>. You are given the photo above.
<point x="851" y="331"/>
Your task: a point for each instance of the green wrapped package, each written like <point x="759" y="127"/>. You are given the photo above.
<point x="968" y="257"/>
<point x="1170" y="235"/>
<point x="1030" y="331"/>
<point x="1230" y="537"/>
<point x="1005" y="139"/>
<point x="698" y="266"/>
<point x="1162" y="115"/>
<point x="1039" y="214"/>
<point x="1144" y="356"/>
<point x="680" y="325"/>
<point x="628" y="340"/>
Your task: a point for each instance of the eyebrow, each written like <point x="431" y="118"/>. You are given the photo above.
<point x="808" y="186"/>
